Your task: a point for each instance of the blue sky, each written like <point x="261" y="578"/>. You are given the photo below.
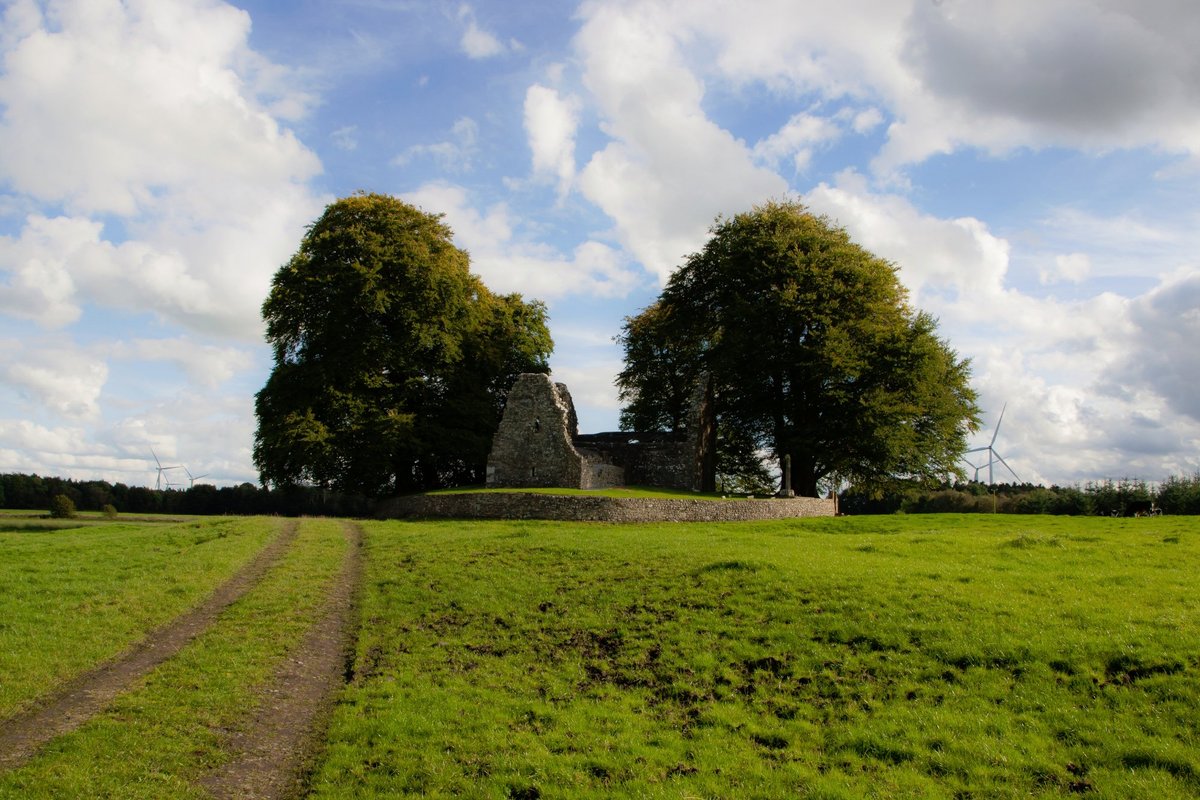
<point x="1030" y="167"/>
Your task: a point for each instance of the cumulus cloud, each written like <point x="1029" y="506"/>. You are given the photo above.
<point x="148" y="176"/>
<point x="797" y="140"/>
<point x="476" y="42"/>
<point x="668" y="170"/>
<point x="58" y="378"/>
<point x="509" y="263"/>
<point x="933" y="254"/>
<point x="1100" y="74"/>
<point x="160" y="116"/>
<point x="550" y="124"/>
<point x="1032" y="73"/>
<point x="1166" y="357"/>
<point x="39" y="286"/>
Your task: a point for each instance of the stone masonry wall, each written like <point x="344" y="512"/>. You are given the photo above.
<point x="648" y="459"/>
<point x="525" y="505"/>
<point x="532" y="446"/>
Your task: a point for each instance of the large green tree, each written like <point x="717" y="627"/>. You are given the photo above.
<point x="813" y="350"/>
<point x="391" y="359"/>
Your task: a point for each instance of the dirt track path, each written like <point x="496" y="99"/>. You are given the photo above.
<point x="23" y="735"/>
<point x="276" y="749"/>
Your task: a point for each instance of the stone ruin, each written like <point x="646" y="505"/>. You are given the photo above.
<point x="538" y="444"/>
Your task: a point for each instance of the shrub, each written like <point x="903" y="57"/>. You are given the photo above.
<point x="62" y="507"/>
<point x="109" y="511"/>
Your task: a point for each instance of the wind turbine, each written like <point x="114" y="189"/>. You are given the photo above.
<point x="193" y="478"/>
<point x="992" y="456"/>
<point x="161" y="469"/>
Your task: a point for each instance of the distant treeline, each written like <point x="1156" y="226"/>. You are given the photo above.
<point x="1176" y="495"/>
<point x="32" y="492"/>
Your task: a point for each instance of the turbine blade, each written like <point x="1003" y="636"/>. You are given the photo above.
<point x="1010" y="469"/>
<point x="996" y="432"/>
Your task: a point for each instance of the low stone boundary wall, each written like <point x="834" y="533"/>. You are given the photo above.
<point x="528" y="505"/>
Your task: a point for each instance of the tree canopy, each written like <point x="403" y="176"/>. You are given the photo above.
<point x="813" y="351"/>
<point x="391" y="360"/>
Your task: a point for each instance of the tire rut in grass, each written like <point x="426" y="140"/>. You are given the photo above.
<point x="84" y="697"/>
<point x="273" y="754"/>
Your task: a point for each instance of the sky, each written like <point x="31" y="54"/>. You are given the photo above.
<point x="1030" y="167"/>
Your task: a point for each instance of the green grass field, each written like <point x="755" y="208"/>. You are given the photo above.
<point x="869" y="657"/>
<point x="77" y="592"/>
<point x="160" y="738"/>
<point x="919" y="656"/>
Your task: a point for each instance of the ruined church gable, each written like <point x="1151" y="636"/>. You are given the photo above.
<point x="538" y="445"/>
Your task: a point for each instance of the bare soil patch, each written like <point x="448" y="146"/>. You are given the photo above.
<point x="274" y="752"/>
<point x="81" y="699"/>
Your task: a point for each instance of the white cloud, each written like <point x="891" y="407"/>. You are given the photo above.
<point x="866" y="120"/>
<point x="109" y="106"/>
<point x="40" y="287"/>
<point x="508" y="263"/>
<point x="1073" y="267"/>
<point x="797" y="140"/>
<point x="476" y="42"/>
<point x="668" y="170"/>
<point x="1100" y="74"/>
<point x="550" y="124"/>
<point x="452" y="155"/>
<point x="58" y="378"/>
<point x="157" y="115"/>
<point x="209" y="435"/>
<point x="27" y="435"/>
<point x="933" y="254"/>
<point x="206" y="365"/>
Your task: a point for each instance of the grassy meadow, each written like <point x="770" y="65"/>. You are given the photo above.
<point x="897" y="656"/>
<point x="894" y="656"/>
<point x="160" y="739"/>
<point x="74" y="593"/>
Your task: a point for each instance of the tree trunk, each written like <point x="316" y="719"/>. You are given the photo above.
<point x="804" y="476"/>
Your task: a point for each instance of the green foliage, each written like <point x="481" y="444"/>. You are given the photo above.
<point x="391" y="359"/>
<point x="1106" y="498"/>
<point x="916" y="657"/>
<point x="109" y="511"/>
<point x="813" y="352"/>
<point x="1180" y="495"/>
<point x="62" y="507"/>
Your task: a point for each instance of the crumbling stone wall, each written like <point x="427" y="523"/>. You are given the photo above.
<point x="648" y="459"/>
<point x="532" y="446"/>
<point x="538" y="445"/>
